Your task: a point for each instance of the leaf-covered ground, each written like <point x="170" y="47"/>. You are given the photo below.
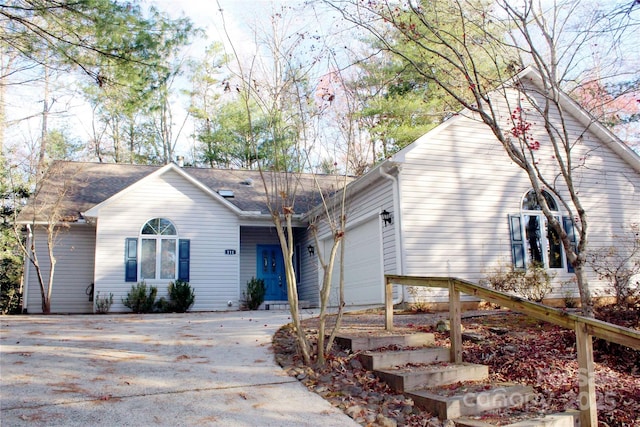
<point x="516" y="349"/>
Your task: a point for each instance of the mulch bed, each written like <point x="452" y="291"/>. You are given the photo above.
<point x="529" y="352"/>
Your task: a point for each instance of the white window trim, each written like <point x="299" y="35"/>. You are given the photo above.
<point x="158" y="241"/>
<point x="545" y="230"/>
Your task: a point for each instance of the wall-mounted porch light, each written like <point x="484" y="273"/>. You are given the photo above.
<point x="386" y="217"/>
<point x="311" y="250"/>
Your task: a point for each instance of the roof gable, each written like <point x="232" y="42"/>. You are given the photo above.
<point x="94" y="211"/>
<point x="530" y="75"/>
<point x="585" y="119"/>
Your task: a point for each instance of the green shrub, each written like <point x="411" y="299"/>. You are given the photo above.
<point x="181" y="296"/>
<point x="140" y="299"/>
<point x="103" y="304"/>
<point x="253" y="296"/>
<point x="162" y="306"/>
<point x="10" y="290"/>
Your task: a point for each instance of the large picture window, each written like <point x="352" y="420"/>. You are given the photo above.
<point x="162" y="256"/>
<point x="532" y="240"/>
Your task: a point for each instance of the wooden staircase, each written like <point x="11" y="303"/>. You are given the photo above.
<point x="451" y="391"/>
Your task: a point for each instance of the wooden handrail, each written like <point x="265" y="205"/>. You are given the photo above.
<point x="597" y="328"/>
<point x="585" y="328"/>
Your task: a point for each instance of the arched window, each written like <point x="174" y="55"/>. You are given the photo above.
<point x="532" y="240"/>
<point x="158" y="250"/>
<point x="161" y="255"/>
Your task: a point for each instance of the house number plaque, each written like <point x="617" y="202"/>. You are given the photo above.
<point x="229" y="251"/>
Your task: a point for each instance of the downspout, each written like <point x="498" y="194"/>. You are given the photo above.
<point x="397" y="229"/>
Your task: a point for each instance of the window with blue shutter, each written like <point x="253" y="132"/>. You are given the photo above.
<point x="517" y="242"/>
<point x="157" y="253"/>
<point x="131" y="259"/>
<point x="183" y="259"/>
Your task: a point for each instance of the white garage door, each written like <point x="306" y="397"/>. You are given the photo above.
<point x="363" y="265"/>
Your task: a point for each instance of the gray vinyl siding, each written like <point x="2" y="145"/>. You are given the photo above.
<point x="73" y="250"/>
<point x="458" y="186"/>
<point x="363" y="204"/>
<point x="369" y="201"/>
<point x="211" y="228"/>
<point x="309" y="286"/>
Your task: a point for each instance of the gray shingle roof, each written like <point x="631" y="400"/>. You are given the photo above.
<point x="70" y="188"/>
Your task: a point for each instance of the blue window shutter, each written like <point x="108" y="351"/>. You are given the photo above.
<point x="517" y="242"/>
<point x="131" y="259"/>
<point x="570" y="229"/>
<point x="183" y="259"/>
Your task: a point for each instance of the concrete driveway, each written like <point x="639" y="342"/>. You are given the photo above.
<point x="151" y="370"/>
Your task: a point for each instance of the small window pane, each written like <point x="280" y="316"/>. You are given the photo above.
<point x="265" y="261"/>
<point x="530" y="202"/>
<point x="148" y="255"/>
<point x="534" y="245"/>
<point x="168" y="259"/>
<point x="273" y="261"/>
<point x="151" y="227"/>
<point x="166" y="228"/>
<point x="550" y="201"/>
<point x="555" y="249"/>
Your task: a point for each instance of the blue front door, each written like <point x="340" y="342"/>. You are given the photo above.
<point x="270" y="268"/>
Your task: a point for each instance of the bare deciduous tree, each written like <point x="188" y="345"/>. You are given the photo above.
<point x="620" y="265"/>
<point x="277" y="87"/>
<point x="44" y="216"/>
<point x="471" y="50"/>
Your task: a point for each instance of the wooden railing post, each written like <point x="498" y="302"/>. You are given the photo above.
<point x="586" y="377"/>
<point x="388" y="305"/>
<point x="455" y="324"/>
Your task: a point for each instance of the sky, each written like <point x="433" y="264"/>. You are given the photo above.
<point x="240" y="17"/>
<point x="72" y="114"/>
<point x="206" y="15"/>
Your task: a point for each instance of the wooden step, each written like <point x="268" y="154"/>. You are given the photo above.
<point x="471" y="398"/>
<point x="362" y="342"/>
<point x="414" y="377"/>
<point x="570" y="418"/>
<point x="372" y="360"/>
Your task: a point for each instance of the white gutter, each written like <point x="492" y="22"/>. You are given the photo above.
<point x="397" y="229"/>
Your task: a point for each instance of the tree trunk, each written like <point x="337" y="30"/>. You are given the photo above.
<point x="341" y="303"/>
<point x="52" y="263"/>
<point x="45" y="116"/>
<point x="32" y="256"/>
<point x="286" y="243"/>
<point x="324" y="297"/>
<point x="583" y="288"/>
